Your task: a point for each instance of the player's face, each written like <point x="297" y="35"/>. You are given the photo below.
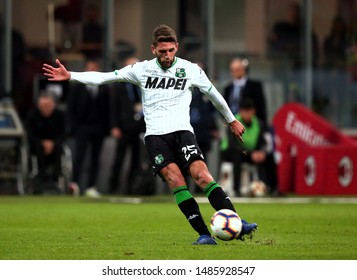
<point x="165" y="53"/>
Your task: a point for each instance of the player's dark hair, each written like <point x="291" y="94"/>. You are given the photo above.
<point x="163" y="33"/>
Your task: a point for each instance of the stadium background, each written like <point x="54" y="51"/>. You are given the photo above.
<point x="210" y="31"/>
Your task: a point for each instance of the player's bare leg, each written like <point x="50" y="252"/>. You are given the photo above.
<point x="173" y="176"/>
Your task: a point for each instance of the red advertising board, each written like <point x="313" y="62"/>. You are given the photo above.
<point x="326" y="170"/>
<point x="313" y="156"/>
<point x="341" y="175"/>
<point x="310" y="171"/>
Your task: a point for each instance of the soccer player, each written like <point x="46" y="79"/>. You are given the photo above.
<point x="166" y="83"/>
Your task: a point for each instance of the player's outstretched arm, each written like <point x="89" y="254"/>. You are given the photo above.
<point x="237" y="129"/>
<point x="59" y="73"/>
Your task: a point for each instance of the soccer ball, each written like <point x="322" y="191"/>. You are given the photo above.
<point x="226" y="224"/>
<point x="258" y="189"/>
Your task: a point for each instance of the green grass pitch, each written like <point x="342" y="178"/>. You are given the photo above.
<point x="67" y="228"/>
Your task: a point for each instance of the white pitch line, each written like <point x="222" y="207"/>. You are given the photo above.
<point x="281" y="200"/>
<point x="287" y="200"/>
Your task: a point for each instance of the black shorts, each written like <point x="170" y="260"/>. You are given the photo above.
<point x="177" y="147"/>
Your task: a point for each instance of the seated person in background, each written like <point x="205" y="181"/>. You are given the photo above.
<point x="45" y="126"/>
<point x="253" y="150"/>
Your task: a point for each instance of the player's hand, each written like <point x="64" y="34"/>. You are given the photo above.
<point x="59" y="73"/>
<point x="237" y="129"/>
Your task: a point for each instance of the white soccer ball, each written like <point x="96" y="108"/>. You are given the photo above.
<point x="258" y="189"/>
<point x="226" y="224"/>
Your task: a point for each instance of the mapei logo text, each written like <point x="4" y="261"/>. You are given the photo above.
<point x="165" y="83"/>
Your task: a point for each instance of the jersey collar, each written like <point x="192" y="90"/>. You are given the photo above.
<point x="158" y="64"/>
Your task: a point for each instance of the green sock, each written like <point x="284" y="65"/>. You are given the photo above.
<point x="190" y="209"/>
<point x="181" y="194"/>
<point x="210" y="187"/>
<point x="217" y="197"/>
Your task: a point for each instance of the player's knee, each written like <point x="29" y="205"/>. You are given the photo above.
<point x="172" y="177"/>
<point x="202" y="178"/>
<point x="174" y="181"/>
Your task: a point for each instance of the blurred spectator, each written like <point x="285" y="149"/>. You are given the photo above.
<point x="70" y="15"/>
<point x="242" y="87"/>
<point x="92" y="33"/>
<point x="286" y="36"/>
<point x="332" y="86"/>
<point x="202" y="115"/>
<point x="45" y="126"/>
<point x="70" y="11"/>
<point x="89" y="115"/>
<point x="127" y="125"/>
<point x="254" y="150"/>
<point x="336" y="45"/>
